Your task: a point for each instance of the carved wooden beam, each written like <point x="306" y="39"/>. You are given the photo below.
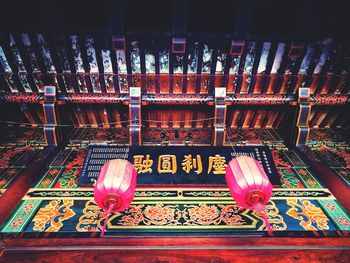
<point x="220" y="116"/>
<point x="92" y="98"/>
<point x="185" y="99"/>
<point x="135" y="116"/>
<point x="330" y="99"/>
<point x="260" y="99"/>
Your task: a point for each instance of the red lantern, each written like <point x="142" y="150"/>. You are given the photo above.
<point x="249" y="184"/>
<point x="115" y="187"/>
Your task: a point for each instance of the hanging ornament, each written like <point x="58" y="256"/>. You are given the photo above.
<point x="249" y="185"/>
<point x="115" y="187"/>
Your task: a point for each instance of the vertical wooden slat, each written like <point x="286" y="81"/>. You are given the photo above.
<point x="91" y="117"/>
<point x="271" y="119"/>
<point x="275" y="67"/>
<point x="200" y="117"/>
<point x="8" y="71"/>
<point x="107" y="67"/>
<point x="78" y="62"/>
<point x="278" y="120"/>
<point x="164" y="118"/>
<point x="79" y="114"/>
<point x="46" y="55"/>
<point x="150" y="66"/>
<point x="18" y="62"/>
<point x="176" y="118"/>
<point x="262" y="67"/>
<point x="29" y="115"/>
<point x="332" y="119"/>
<point x="255" y="116"/>
<point x="304" y="67"/>
<point x="316" y="118"/>
<point x="247" y="119"/>
<point x="151" y="117"/>
<point x="291" y="67"/>
<point x="192" y="67"/>
<point x="187" y="118"/>
<point x="318" y="67"/>
<point x="234" y="67"/>
<point x="117" y="119"/>
<point x="236" y="117"/>
<point x="104" y="117"/>
<point x="248" y="68"/>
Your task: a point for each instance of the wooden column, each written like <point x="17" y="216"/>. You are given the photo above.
<point x="301" y="126"/>
<point x="220" y="116"/>
<point x="49" y="106"/>
<point x="135" y="116"/>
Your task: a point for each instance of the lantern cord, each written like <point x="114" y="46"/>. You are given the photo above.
<point x="228" y="137"/>
<point x="107" y="216"/>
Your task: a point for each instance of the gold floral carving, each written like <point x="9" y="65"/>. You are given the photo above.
<point x="273" y="215"/>
<point x="204" y="214"/>
<point x="308" y="214"/>
<point x="53" y="214"/>
<point x="92" y="218"/>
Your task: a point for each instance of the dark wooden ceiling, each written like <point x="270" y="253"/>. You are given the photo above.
<point x="265" y="19"/>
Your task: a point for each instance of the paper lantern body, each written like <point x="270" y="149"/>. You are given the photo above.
<point x="115" y="185"/>
<point x="248" y="183"/>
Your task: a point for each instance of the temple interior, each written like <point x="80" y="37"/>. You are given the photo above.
<point x="178" y="88"/>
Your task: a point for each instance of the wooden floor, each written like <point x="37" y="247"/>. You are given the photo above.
<point x="177" y="250"/>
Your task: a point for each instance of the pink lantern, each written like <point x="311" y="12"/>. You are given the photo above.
<point x="115" y="187"/>
<point x="249" y="185"/>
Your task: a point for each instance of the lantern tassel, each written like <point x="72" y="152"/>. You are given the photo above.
<point x="107" y="215"/>
<point x="260" y="208"/>
<point x="268" y="226"/>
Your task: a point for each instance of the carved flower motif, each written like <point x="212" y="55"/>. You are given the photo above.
<point x="331" y="206"/>
<point x="45" y="182"/>
<point x="310" y="182"/>
<point x="53" y="171"/>
<point x="17" y="222"/>
<point x="343" y="221"/>
<point x="28" y="207"/>
<point x="302" y="171"/>
<point x="159" y="213"/>
<point x="203" y="213"/>
<point x="343" y="172"/>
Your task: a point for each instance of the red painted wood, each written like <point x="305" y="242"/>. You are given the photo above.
<point x="177" y="250"/>
<point x="173" y="242"/>
<point x="179" y="255"/>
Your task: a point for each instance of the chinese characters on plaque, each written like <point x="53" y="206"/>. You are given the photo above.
<point x="175" y="165"/>
<point x="167" y="163"/>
